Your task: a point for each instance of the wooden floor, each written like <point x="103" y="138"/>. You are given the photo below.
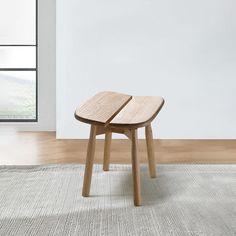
<point x="31" y="148"/>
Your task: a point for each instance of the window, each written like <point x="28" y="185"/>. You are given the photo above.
<point x="18" y="60"/>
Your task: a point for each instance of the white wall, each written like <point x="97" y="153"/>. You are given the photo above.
<point x="46" y="71"/>
<point x="184" y="50"/>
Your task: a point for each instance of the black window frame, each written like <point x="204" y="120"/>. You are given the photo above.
<point x="26" y="69"/>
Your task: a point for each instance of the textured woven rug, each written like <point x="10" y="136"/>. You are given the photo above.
<point x="182" y="200"/>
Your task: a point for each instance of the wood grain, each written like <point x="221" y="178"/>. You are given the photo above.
<point x="138" y="112"/>
<point x="135" y="168"/>
<point x="33" y="148"/>
<point x="107" y="151"/>
<point x="89" y="162"/>
<point x="102" y="107"/>
<point x="150" y="151"/>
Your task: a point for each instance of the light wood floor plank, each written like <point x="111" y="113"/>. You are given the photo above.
<point x="31" y="148"/>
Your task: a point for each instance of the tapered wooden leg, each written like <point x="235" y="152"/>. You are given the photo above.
<point x="135" y="169"/>
<point x="107" y="151"/>
<point x="89" y="162"/>
<point x="150" y="151"/>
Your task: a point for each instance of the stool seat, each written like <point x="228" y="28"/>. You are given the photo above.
<point x="138" y="112"/>
<point x="102" y="108"/>
<point x="119" y="110"/>
<point x="110" y="112"/>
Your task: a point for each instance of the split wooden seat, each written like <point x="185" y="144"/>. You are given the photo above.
<point x="111" y="112"/>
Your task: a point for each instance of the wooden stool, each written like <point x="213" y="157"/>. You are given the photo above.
<point x="109" y="112"/>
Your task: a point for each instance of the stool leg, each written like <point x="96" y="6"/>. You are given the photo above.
<point x="107" y="151"/>
<point x="89" y="162"/>
<point x="150" y="151"/>
<point x="135" y="169"/>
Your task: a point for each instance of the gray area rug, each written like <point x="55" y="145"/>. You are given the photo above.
<point x="182" y="200"/>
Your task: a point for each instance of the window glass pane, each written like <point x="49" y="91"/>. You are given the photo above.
<point x="17" y="95"/>
<point x="17" y="22"/>
<point x="17" y="57"/>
